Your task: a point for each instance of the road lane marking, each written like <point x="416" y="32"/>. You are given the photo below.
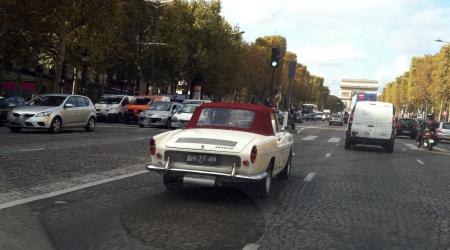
<point x="440" y="149"/>
<point x="309" y="138"/>
<point x="31" y="149"/>
<point x="420" y="162"/>
<point x="403" y="149"/>
<point x="411" y="146"/>
<point x="334" y="139"/>
<point x="137" y="139"/>
<point x="68" y="190"/>
<point x="309" y="177"/>
<point x="328" y="155"/>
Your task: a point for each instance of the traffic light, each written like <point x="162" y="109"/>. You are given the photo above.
<point x="275" y="57"/>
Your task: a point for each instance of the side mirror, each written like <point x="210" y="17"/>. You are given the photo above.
<point x="69" y="105"/>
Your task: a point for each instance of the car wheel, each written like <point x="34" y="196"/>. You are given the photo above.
<point x="141" y="125"/>
<point x="348" y="143"/>
<point x="173" y="183"/>
<point x="264" y="186"/>
<point x="15" y="129"/>
<point x="90" y="126"/>
<point x="119" y="118"/>
<point x="169" y="123"/>
<point x="55" y="126"/>
<point x="287" y="169"/>
<point x="389" y="147"/>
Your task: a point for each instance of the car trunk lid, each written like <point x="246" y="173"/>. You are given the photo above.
<point x="211" y="140"/>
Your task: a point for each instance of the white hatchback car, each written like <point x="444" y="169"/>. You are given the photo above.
<point x="371" y="123"/>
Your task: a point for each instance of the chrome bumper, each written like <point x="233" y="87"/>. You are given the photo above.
<point x="232" y="174"/>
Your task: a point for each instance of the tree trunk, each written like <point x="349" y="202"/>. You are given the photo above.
<point x="61" y="48"/>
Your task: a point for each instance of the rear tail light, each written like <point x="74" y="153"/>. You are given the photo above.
<point x="152" y="146"/>
<point x="253" y="154"/>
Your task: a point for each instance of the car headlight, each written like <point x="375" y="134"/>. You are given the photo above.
<point x="43" y="114"/>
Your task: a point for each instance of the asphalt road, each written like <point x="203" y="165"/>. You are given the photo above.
<point x="78" y="190"/>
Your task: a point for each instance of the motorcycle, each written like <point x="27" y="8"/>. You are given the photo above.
<point x="428" y="139"/>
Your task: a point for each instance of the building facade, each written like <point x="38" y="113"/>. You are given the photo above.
<point x="351" y="87"/>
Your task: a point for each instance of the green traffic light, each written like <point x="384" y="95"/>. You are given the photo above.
<point x="274" y="63"/>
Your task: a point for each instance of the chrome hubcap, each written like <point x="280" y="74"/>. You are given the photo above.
<point x="91" y="123"/>
<point x="57" y="124"/>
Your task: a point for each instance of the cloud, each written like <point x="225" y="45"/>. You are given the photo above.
<point x="372" y="39"/>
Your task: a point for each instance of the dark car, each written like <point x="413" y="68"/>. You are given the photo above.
<point x="346" y="115"/>
<point x="6" y="104"/>
<point x="406" y="127"/>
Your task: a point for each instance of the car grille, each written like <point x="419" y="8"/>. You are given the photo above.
<point x="222" y="160"/>
<point x="207" y="141"/>
<point x="28" y="115"/>
<point x="153" y="120"/>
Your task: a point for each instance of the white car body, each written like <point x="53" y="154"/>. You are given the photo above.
<point x="371" y="123"/>
<point x="231" y="151"/>
<point x="113" y="111"/>
<point x="443" y="132"/>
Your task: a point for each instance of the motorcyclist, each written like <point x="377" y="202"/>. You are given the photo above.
<point x="430" y="124"/>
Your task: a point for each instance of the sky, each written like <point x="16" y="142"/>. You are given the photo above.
<point x="336" y="39"/>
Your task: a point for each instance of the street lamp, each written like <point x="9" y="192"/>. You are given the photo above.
<point x="157" y="4"/>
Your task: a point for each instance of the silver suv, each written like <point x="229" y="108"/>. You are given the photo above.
<point x="54" y="112"/>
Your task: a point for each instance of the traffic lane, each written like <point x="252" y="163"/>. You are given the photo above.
<point x="364" y="198"/>
<point x="73" y="162"/>
<point x="138" y="213"/>
<point x="35" y="138"/>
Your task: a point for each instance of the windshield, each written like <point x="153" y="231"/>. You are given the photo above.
<point x="407" y="122"/>
<point x="142" y="101"/>
<point x="221" y="117"/>
<point x="110" y="100"/>
<point x="47" y="100"/>
<point x="161" y="106"/>
<point x="188" y="109"/>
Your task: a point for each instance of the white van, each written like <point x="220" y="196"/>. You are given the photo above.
<point x="112" y="107"/>
<point x="371" y="123"/>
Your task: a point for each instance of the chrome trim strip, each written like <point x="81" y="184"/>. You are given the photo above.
<point x="200" y="172"/>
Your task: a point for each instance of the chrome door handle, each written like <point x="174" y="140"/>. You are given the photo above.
<point x="370" y="126"/>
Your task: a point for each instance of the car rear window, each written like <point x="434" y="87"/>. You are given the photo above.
<point x="446" y="125"/>
<point x="373" y="112"/>
<point x="407" y="122"/>
<point x="222" y="117"/>
<point x="142" y="101"/>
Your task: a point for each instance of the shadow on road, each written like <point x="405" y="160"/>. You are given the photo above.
<point x="195" y="218"/>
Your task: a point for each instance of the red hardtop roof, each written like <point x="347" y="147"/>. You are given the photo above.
<point x="261" y="122"/>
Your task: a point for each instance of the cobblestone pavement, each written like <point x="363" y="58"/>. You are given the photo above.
<point x="80" y="190"/>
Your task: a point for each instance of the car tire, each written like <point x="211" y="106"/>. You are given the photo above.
<point x="169" y="123"/>
<point x="90" y="126"/>
<point x="348" y="143"/>
<point x="118" y="118"/>
<point x="389" y="147"/>
<point x="284" y="175"/>
<point x="264" y="186"/>
<point x="141" y="125"/>
<point x="55" y="125"/>
<point x="173" y="183"/>
<point x="15" y="129"/>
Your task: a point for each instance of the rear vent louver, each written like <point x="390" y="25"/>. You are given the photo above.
<point x="207" y="141"/>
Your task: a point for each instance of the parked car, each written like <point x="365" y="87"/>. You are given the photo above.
<point x="7" y="104"/>
<point x="194" y="101"/>
<point x="346" y="115"/>
<point x="336" y="120"/>
<point x="141" y="103"/>
<point x="54" y="112"/>
<point x="159" y="114"/>
<point x="406" y="127"/>
<point x="443" y="132"/>
<point x="326" y="115"/>
<point x="371" y="123"/>
<point x="112" y="107"/>
<point x="183" y="116"/>
<point x="224" y="143"/>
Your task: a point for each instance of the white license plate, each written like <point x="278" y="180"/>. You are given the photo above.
<point x="201" y="159"/>
<point x="431" y="141"/>
<point x="406" y="132"/>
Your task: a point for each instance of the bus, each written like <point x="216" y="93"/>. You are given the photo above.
<point x="308" y="111"/>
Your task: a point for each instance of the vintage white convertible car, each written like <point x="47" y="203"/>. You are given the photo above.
<point x="224" y="143"/>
